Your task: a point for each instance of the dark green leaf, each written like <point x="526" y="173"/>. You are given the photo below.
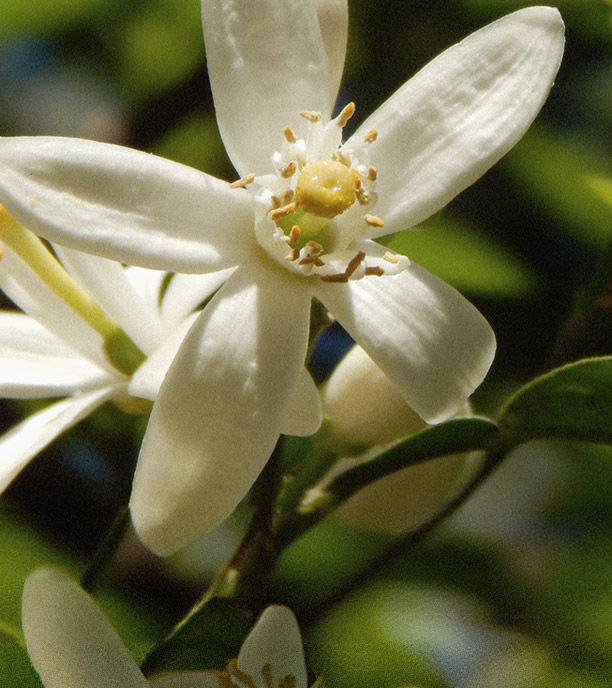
<point x="452" y="437"/>
<point x="207" y="641"/>
<point x="572" y="402"/>
<point x="15" y="668"/>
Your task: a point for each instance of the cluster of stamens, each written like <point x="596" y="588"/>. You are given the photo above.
<point x="233" y="677"/>
<point x="314" y="199"/>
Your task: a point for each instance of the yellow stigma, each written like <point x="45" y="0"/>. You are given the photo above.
<point x="326" y="188"/>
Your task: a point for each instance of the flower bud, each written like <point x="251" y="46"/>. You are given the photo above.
<point x="364" y="407"/>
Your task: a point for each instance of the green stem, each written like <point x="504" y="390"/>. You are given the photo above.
<point x="106" y="551"/>
<point x="120" y="349"/>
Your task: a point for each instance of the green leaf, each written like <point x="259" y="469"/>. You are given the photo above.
<point x="464" y="256"/>
<point x="455" y="436"/>
<point x="15" y="668"/>
<point x="208" y="640"/>
<point x="572" y="402"/>
<point x="24" y="16"/>
<point x="571" y="199"/>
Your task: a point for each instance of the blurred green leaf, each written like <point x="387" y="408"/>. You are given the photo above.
<point x="558" y="174"/>
<point x="15" y="668"/>
<point x="572" y="402"/>
<point x="464" y="256"/>
<point x="209" y="640"/>
<point x="160" y="46"/>
<point x="25" y="16"/>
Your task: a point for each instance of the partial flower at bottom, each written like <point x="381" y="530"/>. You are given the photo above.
<point x="72" y="645"/>
<point x="301" y="222"/>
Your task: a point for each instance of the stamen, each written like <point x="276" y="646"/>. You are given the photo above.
<point x="373" y="221"/>
<point x="287" y="197"/>
<point x="274" y="204"/>
<point x="287" y="682"/>
<point x="379" y="272"/>
<point x="312" y="260"/>
<point x="370" y="137"/>
<point x="372" y="172"/>
<point x="233" y="670"/>
<point x="354" y="263"/>
<point x="346" y="114"/>
<point x="294" y="234"/>
<point x="311" y="115"/>
<point x="287" y="171"/>
<point x="391" y="258"/>
<point x="266" y="674"/>
<point x="340" y="157"/>
<point x="294" y="254"/>
<point x="243" y="181"/>
<point x="289" y="135"/>
<point x="277" y="213"/>
<point x="314" y="248"/>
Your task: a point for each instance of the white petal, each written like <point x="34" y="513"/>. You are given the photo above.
<point x="185" y="293"/>
<point x="108" y="284"/>
<point x="69" y="640"/>
<point x="123" y="204"/>
<point x="460" y="114"/>
<point x="274" y="640"/>
<point x="35" y="364"/>
<point x="266" y="62"/>
<point x="23" y="441"/>
<point x="32" y="295"/>
<point x="147" y="379"/>
<point x="433" y="344"/>
<point x="333" y="21"/>
<point x="195" y="679"/>
<point x="220" y="408"/>
<point x="303" y="414"/>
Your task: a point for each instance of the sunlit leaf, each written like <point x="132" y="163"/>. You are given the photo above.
<point x="464" y="256"/>
<point x="572" y="402"/>
<point x="24" y="16"/>
<point x="557" y="174"/>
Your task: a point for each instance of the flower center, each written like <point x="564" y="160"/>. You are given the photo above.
<point x="310" y="213"/>
<point x="326" y="188"/>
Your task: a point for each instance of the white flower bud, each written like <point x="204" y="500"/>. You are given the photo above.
<point x="364" y="407"/>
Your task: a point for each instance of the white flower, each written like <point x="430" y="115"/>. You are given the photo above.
<point x="51" y="351"/>
<point x="223" y="402"/>
<point x="72" y="645"/>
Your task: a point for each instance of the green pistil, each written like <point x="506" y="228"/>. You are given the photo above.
<point x="124" y="355"/>
<point x="312" y="227"/>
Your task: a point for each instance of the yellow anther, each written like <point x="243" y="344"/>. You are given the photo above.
<point x="289" y="135"/>
<point x="274" y="204"/>
<point x="294" y="234"/>
<point x="288" y="171"/>
<point x="311" y="115"/>
<point x="287" y="197"/>
<point x="347" y="112"/>
<point x="373" y="221"/>
<point x="243" y="181"/>
<point x="283" y="211"/>
<point x="294" y="254"/>
<point x="372" y="172"/>
<point x="371" y="136"/>
<point x="379" y="272"/>
<point x="391" y="258"/>
<point x="340" y="157"/>
<point x="326" y="188"/>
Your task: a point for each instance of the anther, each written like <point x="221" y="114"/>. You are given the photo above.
<point x="287" y="197"/>
<point x="287" y="171"/>
<point x="373" y="221"/>
<point x="371" y="136"/>
<point x="340" y="157"/>
<point x="311" y="115"/>
<point x="285" y="210"/>
<point x="289" y="135"/>
<point x="243" y="181"/>
<point x="354" y="263"/>
<point x="233" y="670"/>
<point x="391" y="258"/>
<point x="294" y="254"/>
<point x="294" y="234"/>
<point x="266" y="674"/>
<point x="379" y="272"/>
<point x="347" y="112"/>
<point x="372" y="173"/>
<point x="274" y="204"/>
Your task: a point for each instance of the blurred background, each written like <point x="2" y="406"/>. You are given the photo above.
<point x="516" y="589"/>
